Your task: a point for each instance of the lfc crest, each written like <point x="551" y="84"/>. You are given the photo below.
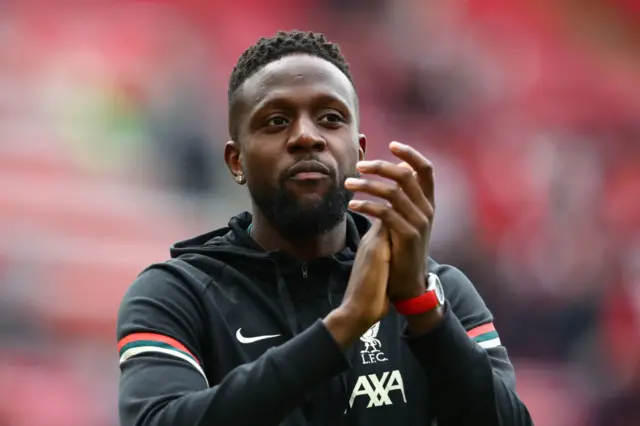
<point x="372" y="351"/>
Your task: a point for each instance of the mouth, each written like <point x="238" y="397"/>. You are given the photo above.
<point x="309" y="171"/>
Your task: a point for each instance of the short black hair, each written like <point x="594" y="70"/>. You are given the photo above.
<point x="284" y="43"/>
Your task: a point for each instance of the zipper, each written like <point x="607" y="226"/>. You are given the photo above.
<point x="304" y="270"/>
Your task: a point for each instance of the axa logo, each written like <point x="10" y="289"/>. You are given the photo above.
<point x="372" y="351"/>
<point x="380" y="389"/>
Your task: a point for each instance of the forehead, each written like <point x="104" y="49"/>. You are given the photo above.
<point x="294" y="77"/>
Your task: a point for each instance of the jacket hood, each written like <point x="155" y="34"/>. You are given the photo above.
<point x="235" y="239"/>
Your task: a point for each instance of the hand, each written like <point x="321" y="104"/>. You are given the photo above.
<point x="365" y="301"/>
<point x="408" y="214"/>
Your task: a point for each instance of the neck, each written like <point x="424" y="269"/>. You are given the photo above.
<point x="312" y="247"/>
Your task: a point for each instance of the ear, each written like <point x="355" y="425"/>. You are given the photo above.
<point x="362" y="141"/>
<point x="232" y="158"/>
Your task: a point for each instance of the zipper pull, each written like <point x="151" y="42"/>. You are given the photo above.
<point x="304" y="270"/>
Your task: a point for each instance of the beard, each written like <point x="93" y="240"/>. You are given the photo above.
<point x="295" y="220"/>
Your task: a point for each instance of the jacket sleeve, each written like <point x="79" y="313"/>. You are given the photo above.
<point x="471" y="380"/>
<point x="164" y="380"/>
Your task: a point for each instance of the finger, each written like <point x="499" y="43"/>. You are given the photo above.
<point x="388" y="216"/>
<point x="420" y="164"/>
<point x="394" y="195"/>
<point x="404" y="176"/>
<point x="407" y="166"/>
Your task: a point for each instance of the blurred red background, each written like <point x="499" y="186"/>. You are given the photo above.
<point x="113" y="118"/>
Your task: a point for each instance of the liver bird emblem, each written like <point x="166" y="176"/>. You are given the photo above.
<point x="371" y="343"/>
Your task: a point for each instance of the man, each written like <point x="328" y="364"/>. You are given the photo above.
<point x="302" y="313"/>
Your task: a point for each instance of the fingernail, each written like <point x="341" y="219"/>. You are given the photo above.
<point x="352" y="181"/>
<point x="355" y="203"/>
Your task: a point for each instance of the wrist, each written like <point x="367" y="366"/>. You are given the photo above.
<point x="410" y="291"/>
<point x="345" y="326"/>
<point x="431" y="298"/>
<point x="408" y="295"/>
<point x="425" y="322"/>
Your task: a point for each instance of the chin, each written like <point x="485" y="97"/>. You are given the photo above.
<point x="309" y="202"/>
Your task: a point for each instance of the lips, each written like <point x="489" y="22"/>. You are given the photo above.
<point x="309" y="169"/>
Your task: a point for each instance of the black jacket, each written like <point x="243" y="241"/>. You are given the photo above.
<point x="228" y="334"/>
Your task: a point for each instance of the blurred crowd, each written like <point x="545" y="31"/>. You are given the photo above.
<point x="112" y="122"/>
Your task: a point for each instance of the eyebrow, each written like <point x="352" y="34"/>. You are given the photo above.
<point x="281" y="102"/>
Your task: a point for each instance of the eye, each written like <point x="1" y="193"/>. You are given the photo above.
<point x="332" y="118"/>
<point x="277" y="121"/>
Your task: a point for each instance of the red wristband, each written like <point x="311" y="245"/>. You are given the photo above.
<point x="426" y="302"/>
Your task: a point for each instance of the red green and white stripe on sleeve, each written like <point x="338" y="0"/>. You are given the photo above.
<point x="141" y="343"/>
<point x="485" y="335"/>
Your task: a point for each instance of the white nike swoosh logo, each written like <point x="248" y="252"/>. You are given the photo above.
<point x="243" y="339"/>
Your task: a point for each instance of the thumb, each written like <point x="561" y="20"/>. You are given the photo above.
<point x="378" y="229"/>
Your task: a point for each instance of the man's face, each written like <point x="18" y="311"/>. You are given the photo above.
<point x="298" y="142"/>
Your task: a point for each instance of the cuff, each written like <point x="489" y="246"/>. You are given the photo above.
<point x="312" y="357"/>
<point x="446" y="350"/>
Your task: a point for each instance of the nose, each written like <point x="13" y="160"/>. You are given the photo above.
<point x="305" y="136"/>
